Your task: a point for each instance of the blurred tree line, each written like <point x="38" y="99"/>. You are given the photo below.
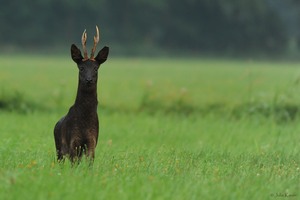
<point x="189" y="26"/>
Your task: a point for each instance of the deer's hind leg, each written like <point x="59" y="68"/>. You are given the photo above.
<point x="76" y="150"/>
<point x="58" y="144"/>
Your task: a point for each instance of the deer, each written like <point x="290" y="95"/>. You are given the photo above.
<point x="76" y="134"/>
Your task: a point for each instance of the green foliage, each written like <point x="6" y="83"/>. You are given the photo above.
<point x="173" y="102"/>
<point x="213" y="87"/>
<point x="14" y="101"/>
<point x="137" y="27"/>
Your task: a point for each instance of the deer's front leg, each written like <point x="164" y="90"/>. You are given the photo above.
<point x="91" y="146"/>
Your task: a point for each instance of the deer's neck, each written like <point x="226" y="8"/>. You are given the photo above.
<point x="86" y="99"/>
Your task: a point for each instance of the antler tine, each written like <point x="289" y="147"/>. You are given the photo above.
<point x="83" y="41"/>
<point x="96" y="40"/>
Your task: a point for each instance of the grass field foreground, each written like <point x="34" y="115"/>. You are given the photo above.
<point x="170" y="129"/>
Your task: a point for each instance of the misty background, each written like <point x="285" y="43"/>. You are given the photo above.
<point x="155" y="27"/>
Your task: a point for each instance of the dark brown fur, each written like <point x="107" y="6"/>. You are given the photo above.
<point x="77" y="133"/>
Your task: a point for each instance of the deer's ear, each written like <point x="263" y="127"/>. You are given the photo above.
<point x="102" y="55"/>
<point x="76" y="54"/>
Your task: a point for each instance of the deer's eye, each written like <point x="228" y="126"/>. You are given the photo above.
<point x="95" y="69"/>
<point x="81" y="69"/>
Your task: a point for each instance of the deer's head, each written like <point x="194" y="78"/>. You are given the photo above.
<point x="88" y="67"/>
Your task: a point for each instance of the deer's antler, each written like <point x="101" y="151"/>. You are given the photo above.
<point x="96" y="40"/>
<point x="83" y="41"/>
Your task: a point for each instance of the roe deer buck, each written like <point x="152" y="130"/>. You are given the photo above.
<point x="77" y="133"/>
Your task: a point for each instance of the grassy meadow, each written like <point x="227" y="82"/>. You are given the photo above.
<point x="169" y="129"/>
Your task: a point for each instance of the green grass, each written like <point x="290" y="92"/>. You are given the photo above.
<point x="169" y="129"/>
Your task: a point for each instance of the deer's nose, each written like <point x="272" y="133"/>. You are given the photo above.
<point x="88" y="80"/>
